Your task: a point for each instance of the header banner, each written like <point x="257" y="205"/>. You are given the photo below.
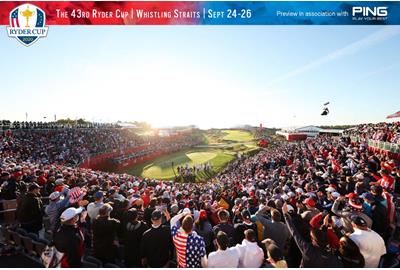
<point x="206" y="13"/>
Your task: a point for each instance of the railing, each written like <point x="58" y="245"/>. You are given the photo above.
<point x="387" y="146"/>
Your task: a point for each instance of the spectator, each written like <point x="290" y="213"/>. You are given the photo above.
<point x="224" y="257"/>
<point x="133" y="232"/>
<point x="350" y="253"/>
<point x="273" y="228"/>
<point x="240" y="228"/>
<point x="69" y="239"/>
<point x="11" y="186"/>
<point x="275" y="257"/>
<point x="105" y="232"/>
<point x="353" y="208"/>
<point x="314" y="254"/>
<point x="371" y="244"/>
<point x="225" y="226"/>
<point x="54" y="209"/>
<point x="30" y="211"/>
<point x="204" y="229"/>
<point x="379" y="215"/>
<point x="250" y="254"/>
<point x="156" y="246"/>
<point x="94" y="207"/>
<point x="190" y="247"/>
<point x="311" y="210"/>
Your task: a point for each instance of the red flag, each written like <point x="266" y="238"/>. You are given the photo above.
<point x="395" y="115"/>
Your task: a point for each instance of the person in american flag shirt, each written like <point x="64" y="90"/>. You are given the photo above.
<point x="190" y="247"/>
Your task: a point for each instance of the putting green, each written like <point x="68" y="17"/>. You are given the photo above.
<point x="161" y="168"/>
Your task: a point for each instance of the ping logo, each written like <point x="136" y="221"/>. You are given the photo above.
<point x="368" y="12"/>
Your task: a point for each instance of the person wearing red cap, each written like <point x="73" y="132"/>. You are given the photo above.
<point x="315" y="254"/>
<point x="12" y="186"/>
<point x="311" y="210"/>
<point x="318" y="221"/>
<point x="203" y="228"/>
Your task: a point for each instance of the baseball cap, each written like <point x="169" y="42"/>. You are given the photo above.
<point x="55" y="195"/>
<point x="59" y="181"/>
<point x="310" y="202"/>
<point x="290" y="208"/>
<point x="70" y="213"/>
<point x="246" y="214"/>
<point x="186" y="211"/>
<point x="368" y="196"/>
<point x="99" y="194"/>
<point x="203" y="214"/>
<point x="156" y="215"/>
<point x="33" y="186"/>
<point x="174" y="208"/>
<point x="359" y="221"/>
<point x="330" y="189"/>
<point x="351" y="196"/>
<point x="335" y="194"/>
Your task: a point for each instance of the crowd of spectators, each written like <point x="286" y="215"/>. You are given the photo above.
<point x="323" y="202"/>
<point x="28" y="125"/>
<point x="165" y="145"/>
<point x="72" y="146"/>
<point x="385" y="132"/>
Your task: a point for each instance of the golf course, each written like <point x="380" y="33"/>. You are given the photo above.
<point x="219" y="148"/>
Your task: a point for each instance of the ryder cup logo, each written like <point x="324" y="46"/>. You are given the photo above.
<point x="27" y="24"/>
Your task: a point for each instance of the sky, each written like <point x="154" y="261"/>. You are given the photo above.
<point x="208" y="76"/>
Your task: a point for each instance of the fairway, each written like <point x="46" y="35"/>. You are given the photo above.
<point x="161" y="167"/>
<point x="237" y="136"/>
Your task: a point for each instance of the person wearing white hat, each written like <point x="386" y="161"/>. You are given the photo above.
<point x="69" y="239"/>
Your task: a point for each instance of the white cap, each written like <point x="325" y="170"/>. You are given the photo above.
<point x="284" y="197"/>
<point x="290" y="208"/>
<point x="186" y="211"/>
<point x="335" y="194"/>
<point x="291" y="194"/>
<point x="55" y="195"/>
<point x="70" y="213"/>
<point x="299" y="190"/>
<point x="59" y="181"/>
<point x="330" y="189"/>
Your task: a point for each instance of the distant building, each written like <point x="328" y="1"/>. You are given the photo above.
<point x="302" y="133"/>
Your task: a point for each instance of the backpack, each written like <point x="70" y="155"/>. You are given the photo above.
<point x="51" y="257"/>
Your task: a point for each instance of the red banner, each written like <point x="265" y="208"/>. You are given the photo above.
<point x="106" y="12"/>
